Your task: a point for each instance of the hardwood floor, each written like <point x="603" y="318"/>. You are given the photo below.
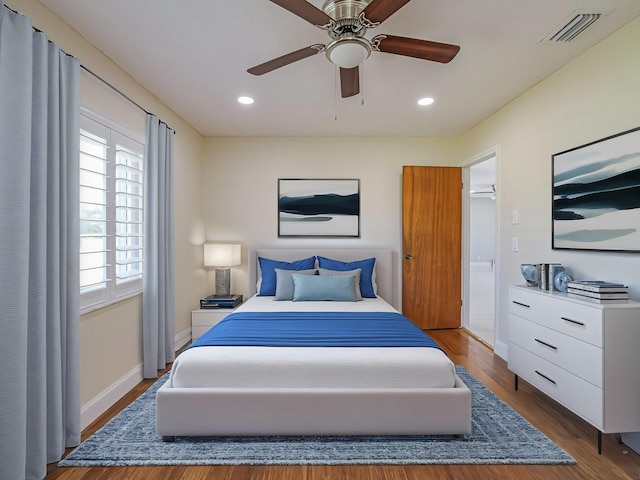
<point x="574" y="435"/>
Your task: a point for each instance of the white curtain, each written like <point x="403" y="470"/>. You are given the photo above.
<point x="39" y="241"/>
<point x="158" y="300"/>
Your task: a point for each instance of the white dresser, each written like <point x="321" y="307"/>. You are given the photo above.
<point x="584" y="355"/>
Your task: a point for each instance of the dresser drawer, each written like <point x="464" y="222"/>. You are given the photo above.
<point x="525" y="303"/>
<point x="578" y="395"/>
<point x="577" y="357"/>
<point x="575" y="319"/>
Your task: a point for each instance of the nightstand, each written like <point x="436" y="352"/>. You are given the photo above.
<point x="205" y="318"/>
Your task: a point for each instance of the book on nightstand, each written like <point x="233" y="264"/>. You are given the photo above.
<point x="221" y="301"/>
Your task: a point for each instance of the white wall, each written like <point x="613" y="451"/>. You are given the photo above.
<point x="241" y="174"/>
<point x="595" y="96"/>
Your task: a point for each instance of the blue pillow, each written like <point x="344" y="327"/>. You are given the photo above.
<point x="337" y="288"/>
<point x="268" y="274"/>
<point x="284" y="282"/>
<point x="367" y="265"/>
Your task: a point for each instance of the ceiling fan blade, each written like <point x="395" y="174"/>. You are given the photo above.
<point x="305" y="10"/>
<point x="284" y="60"/>
<point x="379" y="10"/>
<point x="413" y="47"/>
<point x="350" y="81"/>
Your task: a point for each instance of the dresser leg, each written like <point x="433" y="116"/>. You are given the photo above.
<point x="515" y="381"/>
<point x="599" y="442"/>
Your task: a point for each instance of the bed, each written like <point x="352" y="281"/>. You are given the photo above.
<point x="231" y="388"/>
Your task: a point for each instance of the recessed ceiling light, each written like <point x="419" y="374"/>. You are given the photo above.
<point x="425" y="101"/>
<point x="245" y="100"/>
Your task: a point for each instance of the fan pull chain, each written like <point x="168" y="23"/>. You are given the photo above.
<point x="335" y="93"/>
<point x="361" y="72"/>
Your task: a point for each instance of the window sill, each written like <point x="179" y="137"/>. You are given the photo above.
<point x="101" y="305"/>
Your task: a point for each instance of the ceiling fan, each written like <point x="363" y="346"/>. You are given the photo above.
<point x="346" y="22"/>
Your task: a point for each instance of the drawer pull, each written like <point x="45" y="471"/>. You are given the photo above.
<point x="545" y="377"/>
<point x="572" y="321"/>
<point x="521" y="304"/>
<point x="545" y="344"/>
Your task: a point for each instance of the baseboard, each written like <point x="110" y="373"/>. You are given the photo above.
<point x="502" y="350"/>
<point x="102" y="402"/>
<point x="183" y="337"/>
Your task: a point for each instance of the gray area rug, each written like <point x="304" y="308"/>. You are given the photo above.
<point x="499" y="436"/>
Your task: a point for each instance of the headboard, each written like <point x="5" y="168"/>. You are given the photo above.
<point x="384" y="269"/>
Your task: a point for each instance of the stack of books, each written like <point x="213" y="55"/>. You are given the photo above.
<point x="546" y="273"/>
<point x="597" y="290"/>
<point x="221" y="301"/>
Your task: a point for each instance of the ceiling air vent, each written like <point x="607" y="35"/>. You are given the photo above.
<point x="577" y="23"/>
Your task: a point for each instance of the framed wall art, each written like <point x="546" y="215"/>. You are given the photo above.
<point x="318" y="207"/>
<point x="596" y="195"/>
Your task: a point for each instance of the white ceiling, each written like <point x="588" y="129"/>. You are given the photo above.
<point x="193" y="55"/>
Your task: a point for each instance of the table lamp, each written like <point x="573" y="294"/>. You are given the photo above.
<point x="222" y="256"/>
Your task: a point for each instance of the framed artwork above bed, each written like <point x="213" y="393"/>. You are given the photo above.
<point x="320" y="207"/>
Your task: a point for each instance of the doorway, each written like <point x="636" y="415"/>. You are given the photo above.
<point x="480" y="225"/>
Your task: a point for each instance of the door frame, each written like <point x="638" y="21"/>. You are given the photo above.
<point x="466" y="240"/>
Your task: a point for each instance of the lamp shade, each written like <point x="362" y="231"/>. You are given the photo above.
<point x="221" y="255"/>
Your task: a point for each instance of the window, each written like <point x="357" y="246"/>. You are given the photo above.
<point x="111" y="212"/>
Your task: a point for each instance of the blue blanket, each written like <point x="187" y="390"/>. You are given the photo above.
<point x="316" y="329"/>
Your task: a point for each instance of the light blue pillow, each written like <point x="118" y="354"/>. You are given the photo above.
<point x="336" y="288"/>
<point x="284" y="282"/>
<point x="268" y="275"/>
<point x="356" y="273"/>
<point x="367" y="277"/>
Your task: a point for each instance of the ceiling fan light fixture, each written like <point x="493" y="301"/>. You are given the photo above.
<point x="348" y="52"/>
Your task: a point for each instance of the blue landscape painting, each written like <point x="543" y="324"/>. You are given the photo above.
<point x="596" y="195"/>
<point x="319" y="207"/>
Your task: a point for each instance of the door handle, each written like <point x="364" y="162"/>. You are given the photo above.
<point x="408" y="256"/>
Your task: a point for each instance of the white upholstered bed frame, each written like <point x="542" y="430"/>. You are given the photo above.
<point x="315" y="411"/>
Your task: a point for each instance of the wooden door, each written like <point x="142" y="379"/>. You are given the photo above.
<point x="432" y="246"/>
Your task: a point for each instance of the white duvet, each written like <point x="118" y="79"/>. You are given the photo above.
<point x="313" y="367"/>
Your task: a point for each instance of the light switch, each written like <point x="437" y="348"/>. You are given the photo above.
<point x="514" y="244"/>
<point x="515" y="217"/>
